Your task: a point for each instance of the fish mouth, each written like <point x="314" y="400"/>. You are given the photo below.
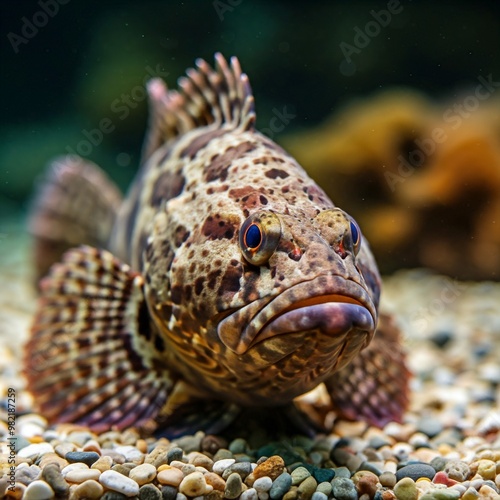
<point x="343" y="309"/>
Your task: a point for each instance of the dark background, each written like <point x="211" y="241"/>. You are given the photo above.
<point x="65" y="79"/>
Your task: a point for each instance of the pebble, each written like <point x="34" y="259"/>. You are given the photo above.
<point x="17" y="492"/>
<point x="366" y="482"/>
<point x="325" y="488"/>
<point x="142" y="474"/>
<point x="488" y="492"/>
<point x="51" y="473"/>
<point x="263" y="484"/>
<point x="318" y="495"/>
<point x="194" y="485"/>
<point x="169" y="492"/>
<point x="487" y="469"/>
<point x="170" y="477"/>
<point x="342" y="472"/>
<point x="238" y="445"/>
<point x="117" y="482"/>
<point x="470" y="494"/>
<point x="86" y="457"/>
<point x="174" y="454"/>
<point x="38" y="490"/>
<point x="307" y="487"/>
<point x="406" y="489"/>
<point x="271" y="467"/>
<point x="88" y="490"/>
<point x="242" y="468"/>
<point x="215" y="481"/>
<point x="299" y="474"/>
<point x="64" y="448"/>
<point x="122" y="469"/>
<point x="221" y="465"/>
<point x="35" y="450"/>
<point x="416" y="471"/>
<point x="27" y="475"/>
<point x="281" y="485"/>
<point x="387" y="479"/>
<point x="103" y="463"/>
<point x="92" y="445"/>
<point x="441" y="494"/>
<point x="344" y="489"/>
<point x="250" y="494"/>
<point x="72" y="467"/>
<point x="149" y="492"/>
<point x="82" y="475"/>
<point x="234" y="486"/>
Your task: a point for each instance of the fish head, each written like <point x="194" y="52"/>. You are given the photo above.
<point x="271" y="290"/>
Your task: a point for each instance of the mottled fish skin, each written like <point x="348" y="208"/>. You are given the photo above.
<point x="228" y="274"/>
<point x="179" y="227"/>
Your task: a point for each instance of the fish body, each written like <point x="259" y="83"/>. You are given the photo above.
<point x="227" y="270"/>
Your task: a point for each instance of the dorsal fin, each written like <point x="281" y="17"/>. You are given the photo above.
<point x="220" y="96"/>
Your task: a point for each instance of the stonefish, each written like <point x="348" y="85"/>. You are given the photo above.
<point x="225" y="274"/>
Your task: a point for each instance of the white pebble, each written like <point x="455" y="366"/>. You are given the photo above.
<point x="263" y="495"/>
<point x="35" y="449"/>
<point x="181" y="496"/>
<point x="263" y="484"/>
<point x="250" y="494"/>
<point x="82" y="475"/>
<point x="73" y="467"/>
<point x="221" y="465"/>
<point x="38" y="490"/>
<point x="118" y="482"/>
<point x="31" y="429"/>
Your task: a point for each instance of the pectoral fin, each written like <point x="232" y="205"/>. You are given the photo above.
<point x="76" y="204"/>
<point x="81" y="361"/>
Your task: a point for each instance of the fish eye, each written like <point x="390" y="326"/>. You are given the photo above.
<point x="259" y="237"/>
<point x="253" y="237"/>
<point x="355" y="237"/>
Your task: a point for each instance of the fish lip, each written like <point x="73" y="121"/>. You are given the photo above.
<point x="327" y="299"/>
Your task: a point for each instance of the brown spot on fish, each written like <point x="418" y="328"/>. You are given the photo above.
<point x="238" y="193"/>
<point x="217" y="228"/>
<point x="274" y="173"/>
<point x="200" y="142"/>
<point x="212" y="279"/>
<point x="231" y="279"/>
<point x="219" y="165"/>
<point x="181" y="235"/>
<point x="176" y="294"/>
<point x="168" y="185"/>
<point x="198" y="285"/>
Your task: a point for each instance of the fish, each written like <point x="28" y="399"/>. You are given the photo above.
<point x="226" y="274"/>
